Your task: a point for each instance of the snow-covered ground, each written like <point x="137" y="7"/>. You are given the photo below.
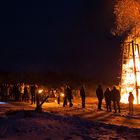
<point x="20" y="122"/>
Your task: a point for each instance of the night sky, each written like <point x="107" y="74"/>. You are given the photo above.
<point x="70" y="36"/>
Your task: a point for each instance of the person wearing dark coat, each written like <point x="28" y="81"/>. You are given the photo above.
<point x="83" y="96"/>
<point x="131" y="100"/>
<point x="33" y="94"/>
<point x="69" y="96"/>
<point x="116" y="99"/>
<point x="16" y="92"/>
<point x="26" y="94"/>
<point x="99" y="94"/>
<point x="65" y="97"/>
<point x="107" y="95"/>
<point x="58" y="96"/>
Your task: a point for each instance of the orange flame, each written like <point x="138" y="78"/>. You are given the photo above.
<point x="128" y="79"/>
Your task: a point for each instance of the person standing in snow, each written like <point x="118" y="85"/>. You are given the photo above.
<point x="107" y="95"/>
<point x="130" y="100"/>
<point x="83" y="96"/>
<point x="65" y="97"/>
<point x="116" y="99"/>
<point x="99" y="94"/>
<point x="33" y="93"/>
<point x="57" y="95"/>
<point x="26" y="94"/>
<point x="69" y="96"/>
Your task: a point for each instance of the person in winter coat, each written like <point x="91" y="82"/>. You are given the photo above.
<point x="69" y="96"/>
<point x="116" y="99"/>
<point x="107" y="95"/>
<point x="65" y="97"/>
<point x="26" y="94"/>
<point x="33" y="94"/>
<point x="130" y="100"/>
<point x="83" y="96"/>
<point x="58" y="96"/>
<point x="99" y="94"/>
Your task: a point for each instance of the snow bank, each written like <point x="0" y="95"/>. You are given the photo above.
<point x="48" y="126"/>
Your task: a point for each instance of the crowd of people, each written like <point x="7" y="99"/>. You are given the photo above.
<point x="18" y="92"/>
<point x="27" y="93"/>
<point x="112" y="96"/>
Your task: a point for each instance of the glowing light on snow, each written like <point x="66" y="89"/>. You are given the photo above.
<point x="55" y="101"/>
<point x="2" y="103"/>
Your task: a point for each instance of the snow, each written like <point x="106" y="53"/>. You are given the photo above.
<point x="3" y="103"/>
<point x="18" y="121"/>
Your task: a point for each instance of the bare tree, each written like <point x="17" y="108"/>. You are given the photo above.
<point x="127" y="17"/>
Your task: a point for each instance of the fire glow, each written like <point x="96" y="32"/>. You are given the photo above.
<point x="127" y="23"/>
<point x="40" y="91"/>
<point x="130" y="74"/>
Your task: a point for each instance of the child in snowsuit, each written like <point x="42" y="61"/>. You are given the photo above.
<point x="130" y="100"/>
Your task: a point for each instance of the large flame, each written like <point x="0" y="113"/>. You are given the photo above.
<point x="129" y="77"/>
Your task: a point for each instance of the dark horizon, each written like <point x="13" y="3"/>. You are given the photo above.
<point x="62" y="37"/>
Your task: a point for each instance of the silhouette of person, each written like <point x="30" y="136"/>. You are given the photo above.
<point x="83" y="96"/>
<point x="99" y="94"/>
<point x="21" y="92"/>
<point x="33" y="94"/>
<point x="16" y="92"/>
<point x="69" y="96"/>
<point x="65" y="97"/>
<point x="107" y="95"/>
<point x="58" y="96"/>
<point x="130" y="100"/>
<point x="116" y="99"/>
<point x="26" y="94"/>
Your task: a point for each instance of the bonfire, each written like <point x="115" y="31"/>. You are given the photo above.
<point x="127" y="24"/>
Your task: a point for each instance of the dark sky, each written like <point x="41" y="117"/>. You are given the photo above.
<point x="59" y="35"/>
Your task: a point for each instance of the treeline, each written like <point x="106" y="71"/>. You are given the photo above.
<point x="39" y="77"/>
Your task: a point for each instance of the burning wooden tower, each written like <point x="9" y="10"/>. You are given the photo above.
<point x="130" y="75"/>
<point x="127" y="23"/>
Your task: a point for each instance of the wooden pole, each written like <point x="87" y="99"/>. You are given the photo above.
<point x="135" y="71"/>
<point x="138" y="51"/>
